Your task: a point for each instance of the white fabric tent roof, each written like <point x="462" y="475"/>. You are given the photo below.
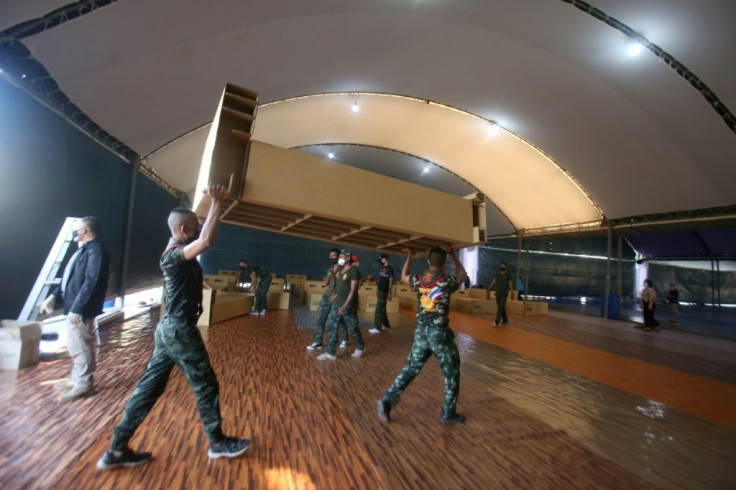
<point x="633" y="134"/>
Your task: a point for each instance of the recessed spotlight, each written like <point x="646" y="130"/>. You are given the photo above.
<point x="635" y="49"/>
<point x="330" y="155"/>
<point x="23" y="75"/>
<point x="491" y="129"/>
<point x="426" y="169"/>
<point x="356" y="107"/>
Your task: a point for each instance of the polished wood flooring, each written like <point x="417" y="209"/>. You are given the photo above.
<point x="314" y="424"/>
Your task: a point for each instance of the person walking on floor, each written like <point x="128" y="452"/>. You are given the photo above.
<point x="179" y="342"/>
<point x="501" y="284"/>
<point x="345" y="306"/>
<point x="383" y="294"/>
<point x="648" y="303"/>
<point x="432" y="335"/>
<point x="260" y="281"/>
<point x="82" y="292"/>
<point x="325" y="304"/>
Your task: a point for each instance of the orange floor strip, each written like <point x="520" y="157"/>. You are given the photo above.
<point x="703" y="397"/>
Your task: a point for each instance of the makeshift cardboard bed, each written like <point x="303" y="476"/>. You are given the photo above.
<point x="284" y="191"/>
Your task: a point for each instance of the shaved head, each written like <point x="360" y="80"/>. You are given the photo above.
<point x="181" y="216"/>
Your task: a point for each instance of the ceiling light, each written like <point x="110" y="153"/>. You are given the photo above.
<point x="330" y="155"/>
<point x="491" y="129"/>
<point x="23" y="75"/>
<point x="356" y="108"/>
<point x="426" y="169"/>
<point x="634" y="49"/>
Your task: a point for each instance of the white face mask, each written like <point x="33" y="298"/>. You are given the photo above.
<point x="340" y="261"/>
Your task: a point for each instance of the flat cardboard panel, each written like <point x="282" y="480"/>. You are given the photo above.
<point x="297" y="203"/>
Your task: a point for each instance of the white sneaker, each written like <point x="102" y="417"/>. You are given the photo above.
<point x="64" y="385"/>
<point x="326" y="356"/>
<point x="254" y="312"/>
<point x="262" y="312"/>
<point x="314" y="346"/>
<point x="358" y="352"/>
<point x="343" y="344"/>
<point x="374" y="330"/>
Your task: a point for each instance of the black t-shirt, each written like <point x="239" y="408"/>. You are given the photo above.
<point x="384" y="277"/>
<point x="502" y="282"/>
<point x="183" y="282"/>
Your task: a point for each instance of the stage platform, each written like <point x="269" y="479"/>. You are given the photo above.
<point x="563" y="401"/>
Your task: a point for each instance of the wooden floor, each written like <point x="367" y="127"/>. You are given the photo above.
<point x="314" y="424"/>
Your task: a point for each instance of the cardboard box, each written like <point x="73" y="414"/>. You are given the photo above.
<point x="312" y="287"/>
<point x="19" y="343"/>
<point x="536" y="308"/>
<point x="368" y="290"/>
<point x="218" y="306"/>
<point x="402" y="290"/>
<point x="218" y="283"/>
<point x="484" y="306"/>
<point x="393" y="305"/>
<point x="461" y="304"/>
<point x="477" y="293"/>
<point x="277" y="282"/>
<point x="516" y="307"/>
<point x="296" y="277"/>
<point x="278" y="300"/>
<point x="312" y="299"/>
<point x="229" y="273"/>
<point x="367" y="303"/>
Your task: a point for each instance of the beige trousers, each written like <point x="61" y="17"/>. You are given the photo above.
<point x="80" y="343"/>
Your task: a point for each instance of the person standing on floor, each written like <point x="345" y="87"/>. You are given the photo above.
<point x="383" y="294"/>
<point x="179" y="342"/>
<point x="345" y="306"/>
<point x="432" y="335"/>
<point x="673" y="301"/>
<point x="82" y="293"/>
<point x="325" y="303"/>
<point x="260" y="281"/>
<point x="648" y="303"/>
<point x="501" y="284"/>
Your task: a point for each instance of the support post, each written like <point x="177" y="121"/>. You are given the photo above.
<point x="608" y="271"/>
<point x="123" y="283"/>
<point x="619" y="274"/>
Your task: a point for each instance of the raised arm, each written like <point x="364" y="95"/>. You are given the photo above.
<point x="462" y="275"/>
<point x="407" y="264"/>
<point x="206" y="239"/>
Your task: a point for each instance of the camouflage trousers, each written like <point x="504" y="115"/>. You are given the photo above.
<point x="177" y="343"/>
<point x="261" y="296"/>
<point x="428" y="340"/>
<point x="322" y="313"/>
<point x="349" y="325"/>
<point x="381" y="318"/>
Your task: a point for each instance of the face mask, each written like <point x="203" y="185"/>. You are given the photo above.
<point x="340" y="261"/>
<point x="503" y="269"/>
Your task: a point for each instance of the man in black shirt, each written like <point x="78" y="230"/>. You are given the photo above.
<point x="383" y="293"/>
<point x="178" y="342"/>
<point x="501" y="284"/>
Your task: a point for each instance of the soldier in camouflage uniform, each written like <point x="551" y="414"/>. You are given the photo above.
<point x="383" y="295"/>
<point x="260" y="280"/>
<point x="326" y="303"/>
<point x="433" y="334"/>
<point x="178" y="342"/>
<point x="345" y="306"/>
